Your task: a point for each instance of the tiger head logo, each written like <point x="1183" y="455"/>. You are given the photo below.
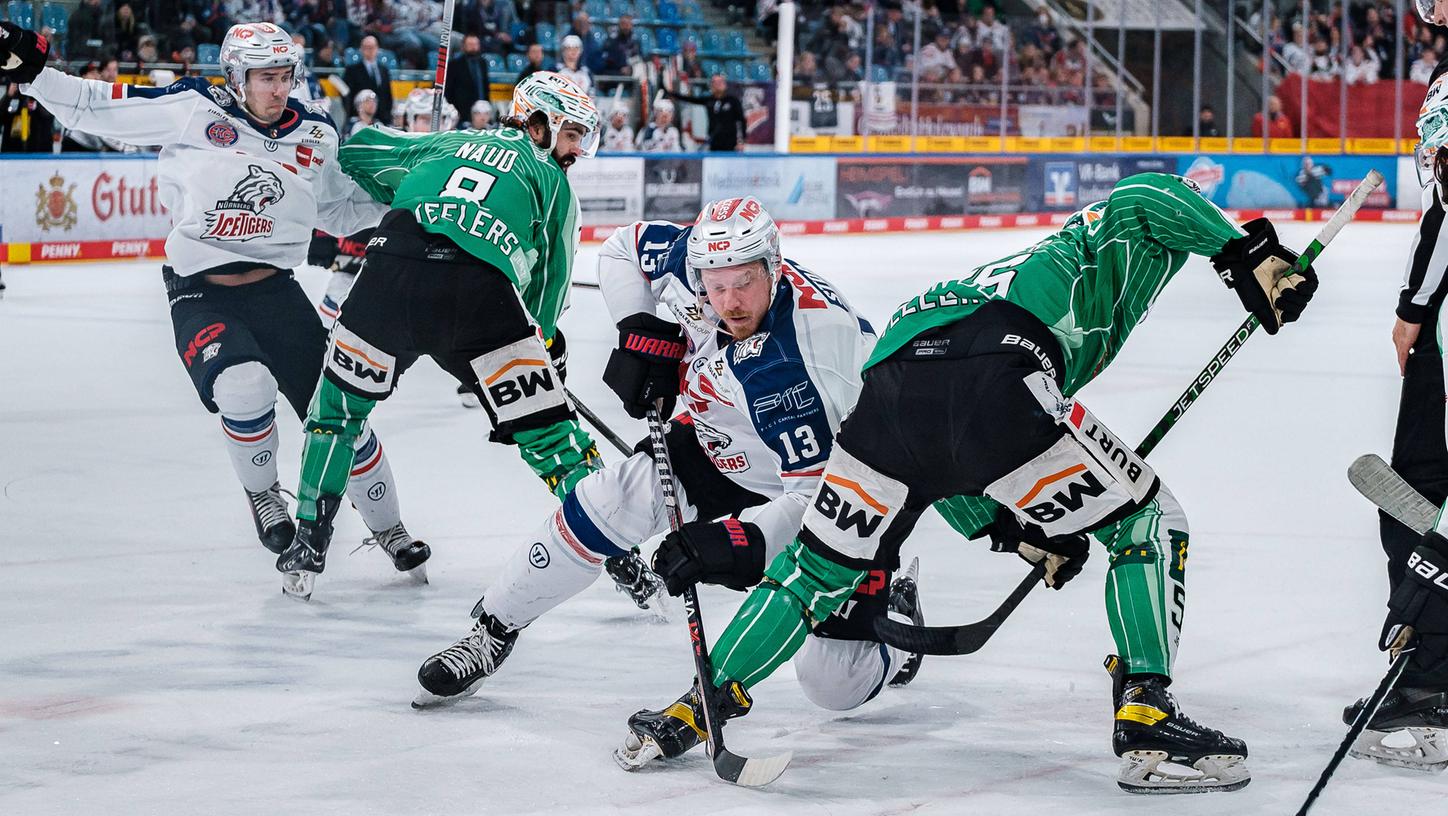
<point x="239" y="216"/>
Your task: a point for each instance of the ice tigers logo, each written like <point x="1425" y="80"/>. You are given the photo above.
<point x="715" y="442"/>
<point x="239" y="217"/>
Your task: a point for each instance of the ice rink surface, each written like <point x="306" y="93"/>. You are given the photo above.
<point x="150" y="665"/>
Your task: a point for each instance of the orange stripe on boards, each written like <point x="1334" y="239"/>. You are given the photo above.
<point x="1054" y="477"/>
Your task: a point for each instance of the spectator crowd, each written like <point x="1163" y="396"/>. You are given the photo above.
<point x="969" y="50"/>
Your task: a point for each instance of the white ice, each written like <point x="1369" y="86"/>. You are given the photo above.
<point x="150" y="665"/>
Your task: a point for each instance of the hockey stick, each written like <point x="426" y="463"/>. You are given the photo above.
<point x="956" y="640"/>
<point x="439" y="79"/>
<point x="730" y="766"/>
<point x="1403" y="648"/>
<point x="1380" y="484"/>
<point x="1224" y="355"/>
<point x="598" y="425"/>
<point x="971" y="637"/>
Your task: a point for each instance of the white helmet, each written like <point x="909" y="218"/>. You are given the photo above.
<point x="248" y="46"/>
<point x="1425" y="9"/>
<point x="663" y="105"/>
<point x="1432" y="135"/>
<point x="733" y="231"/>
<point x="419" y="103"/>
<point x="563" y="101"/>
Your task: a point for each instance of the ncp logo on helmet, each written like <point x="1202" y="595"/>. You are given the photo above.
<point x="262" y="65"/>
<point x="734" y="263"/>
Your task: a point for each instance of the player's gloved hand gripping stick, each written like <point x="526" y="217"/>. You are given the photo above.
<point x="970" y="637"/>
<point x="731" y="767"/>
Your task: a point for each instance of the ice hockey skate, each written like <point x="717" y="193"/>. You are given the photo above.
<point x="409" y="556"/>
<point x="273" y="520"/>
<point x="1410" y="730"/>
<point x="632" y="577"/>
<point x="905" y="600"/>
<point x="673" y="731"/>
<point x="306" y="557"/>
<point x="457" y="671"/>
<point x="1163" y="750"/>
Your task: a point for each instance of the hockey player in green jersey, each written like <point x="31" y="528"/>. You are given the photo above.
<point x="471" y="267"/>
<point x="967" y="405"/>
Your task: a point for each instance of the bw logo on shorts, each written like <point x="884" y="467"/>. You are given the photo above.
<point x="359" y="366"/>
<point x="518" y="380"/>
<point x="853" y="506"/>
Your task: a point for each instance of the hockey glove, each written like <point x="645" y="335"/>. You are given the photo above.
<point x="1064" y="555"/>
<point x="22" y="54"/>
<point x="322" y="251"/>
<point x="645" y="366"/>
<point x="728" y="553"/>
<point x="558" y="353"/>
<point x="1256" y="266"/>
<point x="1421" y="598"/>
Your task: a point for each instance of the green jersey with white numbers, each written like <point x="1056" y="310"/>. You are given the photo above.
<point x="1091" y="283"/>
<point x="494" y="193"/>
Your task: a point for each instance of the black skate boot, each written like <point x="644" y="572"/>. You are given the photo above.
<point x="273" y="521"/>
<point x="1410" y="730"/>
<point x="905" y="600"/>
<point x="306" y="556"/>
<point x="633" y="578"/>
<point x="408" y="554"/>
<point x="673" y="731"/>
<point x="457" y="671"/>
<point x="1151" y="731"/>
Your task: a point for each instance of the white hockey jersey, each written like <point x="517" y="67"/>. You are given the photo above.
<point x="618" y="140"/>
<point x="237" y="192"/>
<point x="765" y="408"/>
<point x="654" y="139"/>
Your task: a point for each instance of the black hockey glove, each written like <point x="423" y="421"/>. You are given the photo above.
<point x="645" y="366"/>
<point x="1260" y="270"/>
<point x="728" y="553"/>
<point x="558" y="353"/>
<point x="22" y="54"/>
<point x="1064" y="555"/>
<point x="322" y="251"/>
<point x="1421" y="598"/>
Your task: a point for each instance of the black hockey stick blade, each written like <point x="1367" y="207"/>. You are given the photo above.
<point x="956" y="640"/>
<point x="750" y="772"/>
<point x="1382" y="486"/>
<point x="1364" y="717"/>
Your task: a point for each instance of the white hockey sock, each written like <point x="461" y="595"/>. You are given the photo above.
<point x="246" y="396"/>
<point x="371" y="488"/>
<point x="542" y="574"/>
<point x="252" y="444"/>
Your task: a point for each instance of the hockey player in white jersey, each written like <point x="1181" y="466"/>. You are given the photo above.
<point x="765" y="358"/>
<point x="246" y="173"/>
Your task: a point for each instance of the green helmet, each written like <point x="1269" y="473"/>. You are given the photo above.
<point x="563" y="101"/>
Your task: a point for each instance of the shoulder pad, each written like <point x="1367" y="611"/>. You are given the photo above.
<point x="183" y="85"/>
